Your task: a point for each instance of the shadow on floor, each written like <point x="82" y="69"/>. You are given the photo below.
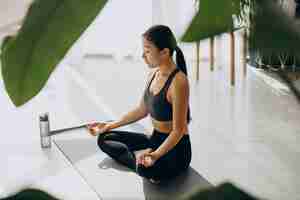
<point x="108" y="163"/>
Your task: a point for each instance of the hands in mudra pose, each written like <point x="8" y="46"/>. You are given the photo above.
<point x="146" y="158"/>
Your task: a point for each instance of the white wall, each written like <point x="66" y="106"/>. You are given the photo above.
<point x="118" y="28"/>
<point x="174" y="13"/>
<point x="177" y="14"/>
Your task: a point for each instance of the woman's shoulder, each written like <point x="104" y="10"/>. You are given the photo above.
<point x="181" y="78"/>
<point x="180" y="81"/>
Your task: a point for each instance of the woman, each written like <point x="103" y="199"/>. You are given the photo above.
<point x="167" y="152"/>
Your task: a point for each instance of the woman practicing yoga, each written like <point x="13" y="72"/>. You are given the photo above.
<point x="167" y="151"/>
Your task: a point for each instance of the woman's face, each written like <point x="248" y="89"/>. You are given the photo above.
<point x="151" y="54"/>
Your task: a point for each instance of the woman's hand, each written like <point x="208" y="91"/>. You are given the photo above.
<point x="147" y="158"/>
<point x="140" y="155"/>
<point x="98" y="128"/>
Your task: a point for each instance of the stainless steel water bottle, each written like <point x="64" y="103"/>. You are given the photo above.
<point x="45" y="131"/>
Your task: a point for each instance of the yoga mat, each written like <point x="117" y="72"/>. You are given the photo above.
<point x="111" y="180"/>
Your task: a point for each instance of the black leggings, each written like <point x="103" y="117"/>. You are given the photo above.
<point x="120" y="146"/>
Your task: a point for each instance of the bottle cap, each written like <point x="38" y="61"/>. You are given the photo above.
<point x="44" y="117"/>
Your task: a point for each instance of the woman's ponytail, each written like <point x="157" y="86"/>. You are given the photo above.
<point x="180" y="61"/>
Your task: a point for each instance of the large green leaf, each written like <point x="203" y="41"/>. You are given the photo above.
<point x="30" y="194"/>
<point x="5" y="42"/>
<point x="214" y="17"/>
<point x="49" y="30"/>
<point x="223" y="191"/>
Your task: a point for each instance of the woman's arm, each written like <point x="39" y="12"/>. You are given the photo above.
<point x="130" y="117"/>
<point x="134" y="115"/>
<point x="180" y="98"/>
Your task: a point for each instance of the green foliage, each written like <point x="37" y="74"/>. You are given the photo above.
<point x="30" y="194"/>
<point x="214" y="17"/>
<point x="272" y="31"/>
<point x="225" y="191"/>
<point x="49" y="30"/>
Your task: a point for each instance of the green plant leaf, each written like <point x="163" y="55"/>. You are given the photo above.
<point x="48" y="31"/>
<point x="5" y="42"/>
<point x="31" y="193"/>
<point x="214" y="17"/>
<point x="223" y="191"/>
<point x="272" y="31"/>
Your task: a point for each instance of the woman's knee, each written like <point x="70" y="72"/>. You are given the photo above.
<point x="102" y="143"/>
<point x="101" y="138"/>
<point x="112" y="148"/>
